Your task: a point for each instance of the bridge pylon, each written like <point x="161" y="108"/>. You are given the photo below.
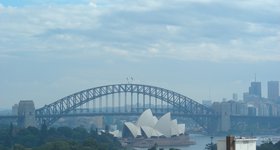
<point x="26" y="114"/>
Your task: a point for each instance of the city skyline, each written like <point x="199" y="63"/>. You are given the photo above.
<point x="200" y="48"/>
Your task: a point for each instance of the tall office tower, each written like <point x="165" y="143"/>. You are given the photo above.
<point x="255" y="89"/>
<point x="273" y="90"/>
<point x="15" y="109"/>
<point x="235" y="96"/>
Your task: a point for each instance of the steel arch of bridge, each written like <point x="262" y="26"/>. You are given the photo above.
<point x="198" y="112"/>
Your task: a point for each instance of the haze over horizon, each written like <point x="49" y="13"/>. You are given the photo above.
<point x="52" y="49"/>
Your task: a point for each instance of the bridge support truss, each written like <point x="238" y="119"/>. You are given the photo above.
<point x="150" y="96"/>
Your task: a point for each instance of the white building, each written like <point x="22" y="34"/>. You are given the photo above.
<point x="149" y="126"/>
<point x="237" y="143"/>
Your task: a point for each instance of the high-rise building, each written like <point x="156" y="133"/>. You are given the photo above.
<point x="273" y="90"/>
<point x="255" y="89"/>
<point x="235" y="96"/>
<point x="15" y="109"/>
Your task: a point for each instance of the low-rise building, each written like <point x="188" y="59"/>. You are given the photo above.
<point x="237" y="143"/>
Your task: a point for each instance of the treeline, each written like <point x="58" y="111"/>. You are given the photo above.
<point x="61" y="138"/>
<point x="269" y="146"/>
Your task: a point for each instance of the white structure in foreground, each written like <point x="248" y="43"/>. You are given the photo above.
<point x="116" y="133"/>
<point x="149" y="126"/>
<point x="237" y="143"/>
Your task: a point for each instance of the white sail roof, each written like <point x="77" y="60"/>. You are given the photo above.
<point x="149" y="126"/>
<point x="181" y="128"/>
<point x="135" y="131"/>
<point x="174" y="128"/>
<point x="150" y="132"/>
<point x="164" y="125"/>
<point x="146" y="119"/>
<point x="155" y="120"/>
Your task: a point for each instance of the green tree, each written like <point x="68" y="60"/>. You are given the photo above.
<point x="56" y="139"/>
<point x="267" y="146"/>
<point x="79" y="133"/>
<point x="90" y="142"/>
<point x="153" y="147"/>
<point x="3" y="147"/>
<point x="28" y="137"/>
<point x="18" y="147"/>
<point x="93" y="132"/>
<point x="58" y="145"/>
<point x="64" y="131"/>
<point x="43" y="133"/>
<point x="277" y="145"/>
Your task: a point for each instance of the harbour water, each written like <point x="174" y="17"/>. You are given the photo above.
<point x="202" y="140"/>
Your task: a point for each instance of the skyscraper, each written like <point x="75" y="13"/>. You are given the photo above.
<point x="273" y="90"/>
<point x="255" y="89"/>
<point x="235" y="96"/>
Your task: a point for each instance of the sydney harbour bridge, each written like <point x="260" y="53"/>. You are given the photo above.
<point x="130" y="100"/>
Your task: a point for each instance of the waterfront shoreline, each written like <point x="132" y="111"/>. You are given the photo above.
<point x="177" y="141"/>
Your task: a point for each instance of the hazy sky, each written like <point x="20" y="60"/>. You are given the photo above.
<point x="199" y="48"/>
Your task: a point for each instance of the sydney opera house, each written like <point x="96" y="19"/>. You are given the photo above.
<point x="149" y="130"/>
<point x="149" y="126"/>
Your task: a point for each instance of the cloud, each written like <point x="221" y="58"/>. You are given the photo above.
<point x="211" y="30"/>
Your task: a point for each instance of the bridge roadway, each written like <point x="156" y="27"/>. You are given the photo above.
<point x="90" y="114"/>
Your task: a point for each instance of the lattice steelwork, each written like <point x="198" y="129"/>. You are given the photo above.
<point x="146" y="97"/>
